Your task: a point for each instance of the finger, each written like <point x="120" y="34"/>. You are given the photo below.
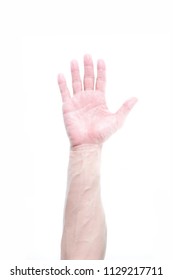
<point x="65" y="94"/>
<point x="122" y="113"/>
<point x="76" y="80"/>
<point x="88" y="73"/>
<point x="101" y="75"/>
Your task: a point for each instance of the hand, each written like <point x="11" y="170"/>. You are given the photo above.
<point x="86" y="116"/>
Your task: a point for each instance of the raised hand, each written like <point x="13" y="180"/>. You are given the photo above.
<point x="86" y="116"/>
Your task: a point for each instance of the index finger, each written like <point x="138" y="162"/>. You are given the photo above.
<point x="101" y="75"/>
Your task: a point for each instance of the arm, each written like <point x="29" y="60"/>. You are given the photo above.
<point x="88" y="123"/>
<point x="84" y="233"/>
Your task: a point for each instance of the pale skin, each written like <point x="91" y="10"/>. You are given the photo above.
<point x="89" y="123"/>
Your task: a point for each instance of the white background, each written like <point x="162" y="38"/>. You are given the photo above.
<point x="38" y="40"/>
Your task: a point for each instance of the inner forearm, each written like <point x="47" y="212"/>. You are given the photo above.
<point x="84" y="232"/>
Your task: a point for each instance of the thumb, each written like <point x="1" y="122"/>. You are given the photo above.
<point x="124" y="110"/>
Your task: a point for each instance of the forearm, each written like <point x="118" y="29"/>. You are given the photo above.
<point x="84" y="229"/>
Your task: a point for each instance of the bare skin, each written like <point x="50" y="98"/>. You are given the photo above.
<point x="89" y="124"/>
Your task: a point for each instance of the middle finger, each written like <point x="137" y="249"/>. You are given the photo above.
<point x="88" y="73"/>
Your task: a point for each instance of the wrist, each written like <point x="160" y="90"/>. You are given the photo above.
<point x="86" y="147"/>
<point x="86" y="155"/>
<point x="84" y="165"/>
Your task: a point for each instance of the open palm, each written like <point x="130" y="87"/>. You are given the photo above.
<point x="86" y="116"/>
